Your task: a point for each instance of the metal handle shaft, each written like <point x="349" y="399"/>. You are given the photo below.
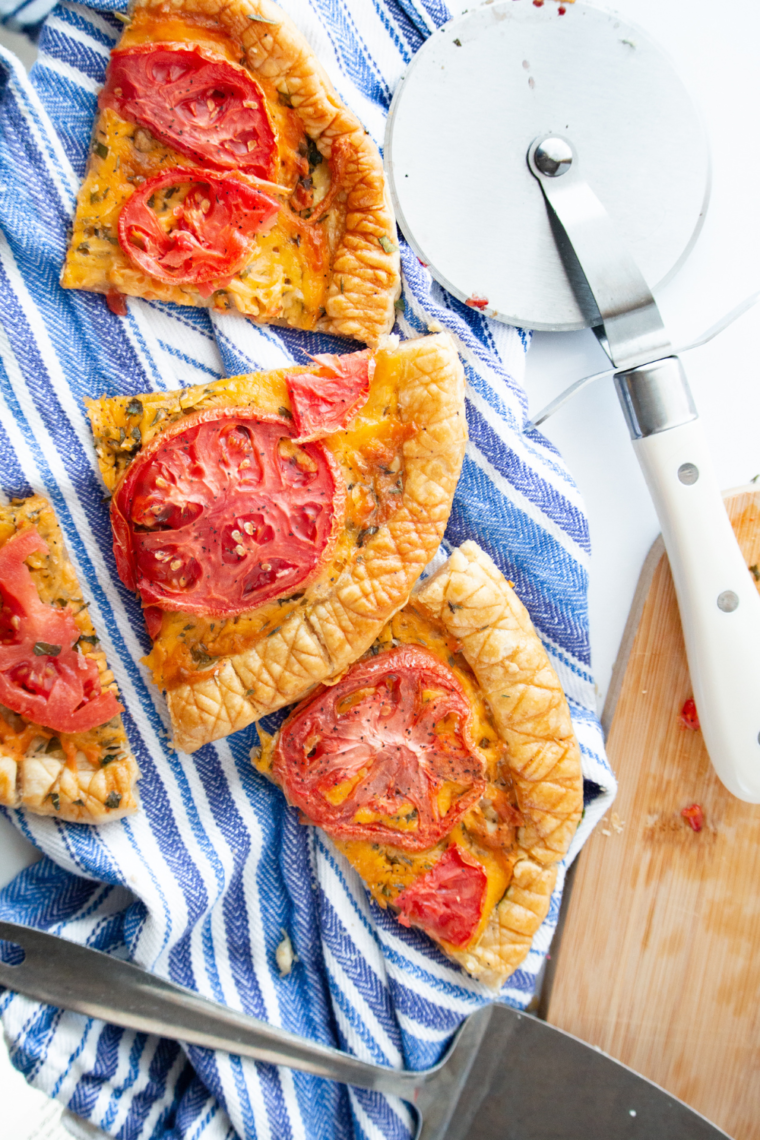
<point x="87" y="981"/>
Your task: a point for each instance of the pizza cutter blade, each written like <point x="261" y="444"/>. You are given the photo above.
<point x="507" y="1076"/>
<point x="580" y="175"/>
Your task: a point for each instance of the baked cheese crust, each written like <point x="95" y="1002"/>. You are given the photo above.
<point x="400" y="458"/>
<point x="471" y="598"/>
<point x="349" y="289"/>
<point x="82" y="777"/>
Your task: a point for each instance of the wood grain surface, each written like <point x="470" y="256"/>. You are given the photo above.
<point x="659" y="963"/>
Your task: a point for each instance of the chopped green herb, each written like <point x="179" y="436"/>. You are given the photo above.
<point x="151" y="201"/>
<point x="90" y="638"/>
<point x="112" y="800"/>
<point x="100" y="149"/>
<point x="315" y="154"/>
<point x="53" y="744"/>
<point x="201" y="656"/>
<point x="755" y="571"/>
<point x="43" y="649"/>
<point x="283" y="411"/>
<point x="109" y="759"/>
<point x="285" y="99"/>
<point x="161" y="414"/>
<point x="365" y="533"/>
<point x="136" y="434"/>
<point x="387" y="244"/>
<point x="262" y="19"/>
<point x="125" y="19"/>
<point x="399" y="305"/>
<point x="454" y="606"/>
<point x="55" y="800"/>
<point x="95" y="197"/>
<point x="134" y="407"/>
<point x="458" y="42"/>
<point x="79" y="803"/>
<point x="276" y="629"/>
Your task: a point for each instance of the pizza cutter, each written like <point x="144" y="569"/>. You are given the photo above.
<point x="549" y="167"/>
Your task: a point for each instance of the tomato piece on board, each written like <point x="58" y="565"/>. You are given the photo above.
<point x="42" y="676"/>
<point x="224" y="511"/>
<point x="200" y="104"/>
<point x="694" y="816"/>
<point x="446" y="902"/>
<point x="688" y="715"/>
<point x="192" y="227"/>
<point x="384" y="755"/>
<point x="325" y="401"/>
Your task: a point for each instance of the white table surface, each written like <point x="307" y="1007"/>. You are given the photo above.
<point x="714" y="47"/>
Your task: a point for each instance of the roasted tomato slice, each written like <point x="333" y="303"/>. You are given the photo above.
<point x="324" y="401"/>
<point x="223" y="512"/>
<point x="385" y="755"/>
<point x="42" y="676"/>
<point x="192" y="227"/>
<point x="201" y="105"/>
<point x="447" y="902"/>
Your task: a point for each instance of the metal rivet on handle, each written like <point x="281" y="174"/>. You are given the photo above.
<point x="553" y="157"/>
<point x="688" y="473"/>
<point x="728" y="601"/>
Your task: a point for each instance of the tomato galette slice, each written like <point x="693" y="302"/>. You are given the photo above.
<point x="224" y="171"/>
<point x="445" y="767"/>
<point x="63" y="748"/>
<point x="272" y="523"/>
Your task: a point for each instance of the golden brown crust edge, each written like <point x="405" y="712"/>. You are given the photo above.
<point x="41" y="781"/>
<point x="471" y="597"/>
<point x="320" y="640"/>
<point x="362" y="305"/>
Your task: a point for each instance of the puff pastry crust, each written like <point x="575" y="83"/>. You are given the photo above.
<point x="471" y="598"/>
<point x="86" y="777"/>
<point x="418" y="394"/>
<point x="363" y="277"/>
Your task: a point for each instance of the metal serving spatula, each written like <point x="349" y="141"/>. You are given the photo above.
<point x="507" y="1076"/>
<point x="611" y="138"/>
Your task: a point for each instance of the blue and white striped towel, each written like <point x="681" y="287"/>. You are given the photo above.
<point x="201" y="884"/>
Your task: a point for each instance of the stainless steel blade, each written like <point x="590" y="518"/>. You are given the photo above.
<point x="468" y="107"/>
<point x="633" y="328"/>
<point x="507" y="1076"/>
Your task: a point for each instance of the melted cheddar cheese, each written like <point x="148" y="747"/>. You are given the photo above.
<point x="286" y="279"/>
<point x="370" y="455"/>
<point x="387" y="871"/>
<point x="81" y="776"/>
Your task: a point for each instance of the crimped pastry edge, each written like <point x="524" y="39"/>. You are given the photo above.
<point x="473" y="600"/>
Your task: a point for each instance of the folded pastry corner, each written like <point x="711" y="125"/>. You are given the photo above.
<point x="63" y="748"/>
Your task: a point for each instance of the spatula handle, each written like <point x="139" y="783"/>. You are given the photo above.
<point x="717" y="596"/>
<point x="74" y="977"/>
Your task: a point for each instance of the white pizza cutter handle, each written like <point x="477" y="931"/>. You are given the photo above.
<point x="717" y="595"/>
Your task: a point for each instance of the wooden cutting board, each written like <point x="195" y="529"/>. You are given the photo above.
<point x="659" y="962"/>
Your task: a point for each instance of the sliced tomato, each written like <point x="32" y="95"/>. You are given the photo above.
<point x="42" y="676"/>
<point x="223" y="512"/>
<point x="200" y="104"/>
<point x="386" y="754"/>
<point x="446" y="902"/>
<point x="324" y="401"/>
<point x="205" y="238"/>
